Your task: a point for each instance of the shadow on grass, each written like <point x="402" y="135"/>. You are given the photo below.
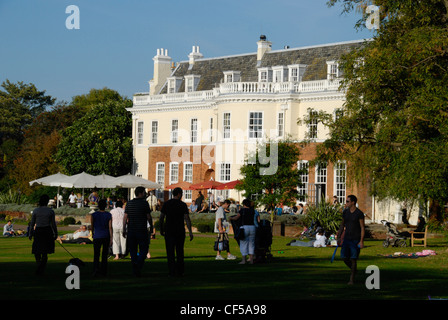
<point x="305" y="277"/>
<point x="293" y="274"/>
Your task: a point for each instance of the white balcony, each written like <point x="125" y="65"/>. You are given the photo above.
<point x="239" y="88"/>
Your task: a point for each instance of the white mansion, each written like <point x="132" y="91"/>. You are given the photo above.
<point x="202" y="116"/>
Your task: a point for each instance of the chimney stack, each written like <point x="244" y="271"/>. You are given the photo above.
<point x="195" y="54"/>
<point x="263" y="47"/>
<point x="162" y="70"/>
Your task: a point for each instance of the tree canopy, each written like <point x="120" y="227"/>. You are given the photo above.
<point x="275" y="181"/>
<point x="394" y="128"/>
<point x="99" y="142"/>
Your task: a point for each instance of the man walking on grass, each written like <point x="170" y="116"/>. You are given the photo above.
<point x="351" y="235"/>
<point x="137" y="216"/>
<point x="174" y="213"/>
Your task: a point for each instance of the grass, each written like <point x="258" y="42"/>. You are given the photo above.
<point x="295" y="273"/>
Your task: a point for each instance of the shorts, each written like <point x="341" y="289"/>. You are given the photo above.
<point x="350" y="249"/>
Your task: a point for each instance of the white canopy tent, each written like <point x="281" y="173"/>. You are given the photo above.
<point x="54" y="180"/>
<point x="85" y="181"/>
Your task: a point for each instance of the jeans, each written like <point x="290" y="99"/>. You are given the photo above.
<point x="138" y="244"/>
<point x="97" y="244"/>
<point x="350" y="249"/>
<point x="247" y="245"/>
<point x="174" y="245"/>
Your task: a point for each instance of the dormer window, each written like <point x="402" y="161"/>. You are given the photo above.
<point x="174" y="84"/>
<point x="264" y="75"/>
<point x="191" y="82"/>
<point x="296" y="72"/>
<point x="279" y="74"/>
<point x="232" y="76"/>
<point x="333" y="70"/>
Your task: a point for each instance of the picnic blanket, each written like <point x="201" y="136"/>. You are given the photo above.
<point x="424" y="253"/>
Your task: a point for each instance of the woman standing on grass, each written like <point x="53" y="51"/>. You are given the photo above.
<point x="247" y="245"/>
<point x="43" y="229"/>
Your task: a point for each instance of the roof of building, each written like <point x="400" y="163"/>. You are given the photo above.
<point x="315" y="57"/>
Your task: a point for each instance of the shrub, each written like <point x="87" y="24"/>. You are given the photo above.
<point x="12" y="197"/>
<point x="205" y="227"/>
<point x="69" y="220"/>
<point x="328" y="215"/>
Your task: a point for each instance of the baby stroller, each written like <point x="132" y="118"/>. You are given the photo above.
<point x="393" y="236"/>
<point x="263" y="241"/>
<point x="310" y="232"/>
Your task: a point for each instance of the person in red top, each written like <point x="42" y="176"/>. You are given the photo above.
<point x="351" y="234"/>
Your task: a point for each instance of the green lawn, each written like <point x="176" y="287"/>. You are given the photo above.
<point x="295" y="273"/>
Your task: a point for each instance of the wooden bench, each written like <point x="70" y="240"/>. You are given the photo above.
<point x="422" y="239"/>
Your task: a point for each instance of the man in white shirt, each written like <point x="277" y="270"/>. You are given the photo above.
<point x="221" y="226"/>
<point x="72" y="200"/>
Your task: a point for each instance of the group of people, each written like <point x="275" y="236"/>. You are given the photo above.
<point x="132" y="227"/>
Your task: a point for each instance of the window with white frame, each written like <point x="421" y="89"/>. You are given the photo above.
<point x="191" y="82"/>
<point x="332" y="70"/>
<point x="264" y="74"/>
<point x="312" y="124"/>
<point x="174" y="130"/>
<point x="194" y="130"/>
<point x="255" y="124"/>
<point x="296" y="72"/>
<point x="174" y="172"/>
<point x="232" y="76"/>
<point x="293" y="74"/>
<point x="154" y="131"/>
<point x="160" y="173"/>
<point x="303" y="166"/>
<point x="321" y="173"/>
<point x="279" y="73"/>
<point x="174" y="84"/>
<point x="224" y="172"/>
<point x="188" y="194"/>
<point x="340" y="172"/>
<point x="140" y="132"/>
<point x="188" y="172"/>
<point x="280" y="124"/>
<point x="188" y="177"/>
<point x="226" y="126"/>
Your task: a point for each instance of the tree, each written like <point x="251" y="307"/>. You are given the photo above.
<point x="394" y="128"/>
<point x="99" y="142"/>
<point x="35" y="157"/>
<point x="267" y="187"/>
<point x="19" y="104"/>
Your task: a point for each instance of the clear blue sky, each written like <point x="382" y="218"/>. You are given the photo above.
<point x="117" y="39"/>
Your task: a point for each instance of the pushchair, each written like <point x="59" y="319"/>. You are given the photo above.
<point x="263" y="242"/>
<point x="393" y="236"/>
<point x="310" y="232"/>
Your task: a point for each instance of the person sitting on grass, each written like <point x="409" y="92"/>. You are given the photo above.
<point x="81" y="233"/>
<point x="8" y="230"/>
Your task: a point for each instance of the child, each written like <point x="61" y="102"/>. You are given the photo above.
<point x="321" y="239"/>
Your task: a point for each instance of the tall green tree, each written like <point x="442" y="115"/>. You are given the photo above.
<point x="99" y="142"/>
<point x="270" y="174"/>
<point x="394" y="128"/>
<point x="20" y="103"/>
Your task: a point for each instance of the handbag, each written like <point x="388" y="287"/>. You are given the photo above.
<point x="221" y="242"/>
<point x="239" y="233"/>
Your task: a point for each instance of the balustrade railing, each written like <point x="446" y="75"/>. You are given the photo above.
<point x="239" y="88"/>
